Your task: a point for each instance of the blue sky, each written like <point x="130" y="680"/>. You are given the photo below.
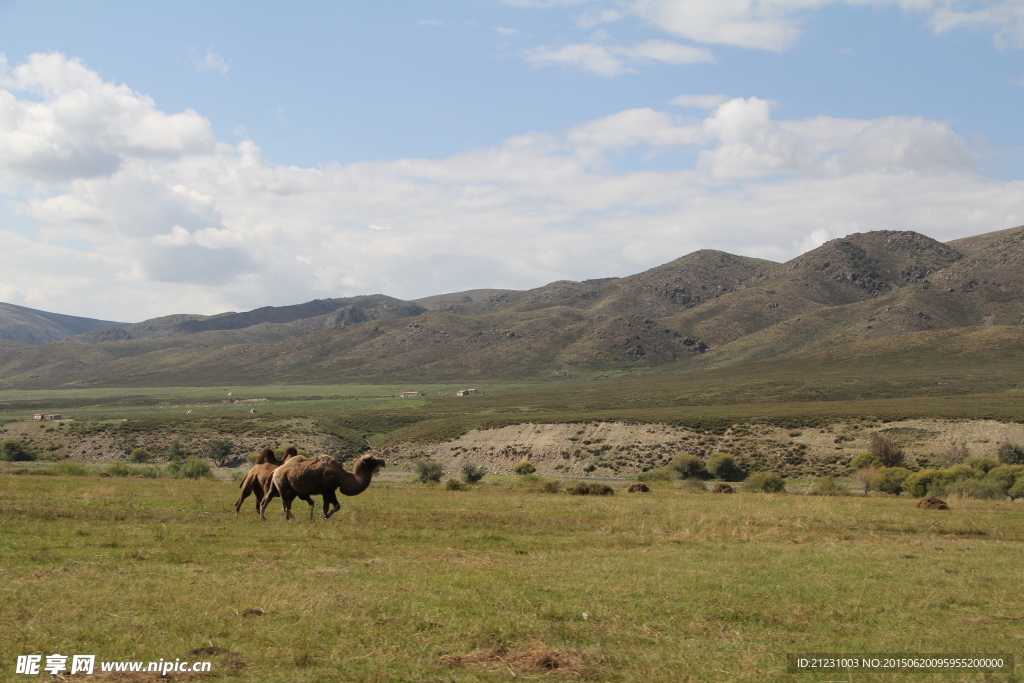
<point x="199" y="157"/>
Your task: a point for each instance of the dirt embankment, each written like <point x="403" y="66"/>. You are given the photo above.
<point x="566" y="450"/>
<point x="622" y="449"/>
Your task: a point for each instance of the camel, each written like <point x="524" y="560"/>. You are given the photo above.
<point x="319" y="476"/>
<point x="257" y="480"/>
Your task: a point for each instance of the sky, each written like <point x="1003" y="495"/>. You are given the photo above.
<point x="201" y="157"/>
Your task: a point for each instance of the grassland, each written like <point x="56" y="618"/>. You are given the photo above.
<point x="408" y="578"/>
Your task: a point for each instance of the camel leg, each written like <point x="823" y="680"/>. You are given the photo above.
<point x="272" y="493"/>
<point x="312" y="506"/>
<point x="286" y="500"/>
<point x="330" y="499"/>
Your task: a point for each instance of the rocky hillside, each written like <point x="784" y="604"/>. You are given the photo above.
<point x="876" y="290"/>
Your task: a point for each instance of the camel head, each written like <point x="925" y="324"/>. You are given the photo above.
<point x="369" y="462"/>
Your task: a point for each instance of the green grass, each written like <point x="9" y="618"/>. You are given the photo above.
<point x="675" y="586"/>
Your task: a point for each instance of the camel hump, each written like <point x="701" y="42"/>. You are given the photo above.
<point x="267" y="457"/>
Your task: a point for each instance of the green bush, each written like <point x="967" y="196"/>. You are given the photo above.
<point x="175" y="452"/>
<point x="828" y="486"/>
<point x="525" y="467"/>
<point x="69" y="468"/>
<point x="1011" y="453"/>
<point x="551" y="486"/>
<point x="658" y="474"/>
<point x="890" y="480"/>
<point x="455" y="485"/>
<point x="688" y="466"/>
<point x="12" y="450"/>
<point x="219" y="450"/>
<point x="118" y="469"/>
<point x="964" y="472"/>
<point x="1017" y="490"/>
<point x="589" y="488"/>
<point x="928" y="482"/>
<point x="428" y="471"/>
<point x="1005" y="475"/>
<point x="764" y="482"/>
<point x="723" y="466"/>
<point x="976" y="488"/>
<point x="471" y="474"/>
<point x="151" y="472"/>
<point x="191" y="468"/>
<point x="981" y="462"/>
<point x="139" y="455"/>
<point x="693" y="485"/>
<point x="865" y="459"/>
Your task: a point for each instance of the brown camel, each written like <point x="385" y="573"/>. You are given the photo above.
<point x="319" y="476"/>
<point x="257" y="480"/>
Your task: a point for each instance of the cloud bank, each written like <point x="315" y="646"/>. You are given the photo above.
<point x="135" y="212"/>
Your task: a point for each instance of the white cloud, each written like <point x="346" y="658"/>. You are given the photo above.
<point x="614" y="60"/>
<point x="699" y="101"/>
<point x="218" y="227"/>
<point x="210" y="62"/>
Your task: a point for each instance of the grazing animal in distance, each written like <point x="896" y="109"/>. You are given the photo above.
<point x="257" y="479"/>
<point x="320" y="476"/>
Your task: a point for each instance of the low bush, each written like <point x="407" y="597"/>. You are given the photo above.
<point x="688" y="466"/>
<point x="890" y="480"/>
<point x="658" y="474"/>
<point x="956" y="453"/>
<point x="429" y="471"/>
<point x="471" y="474"/>
<point x="456" y="485"/>
<point x="12" y="450"/>
<point x="191" y="468"/>
<point x="764" y="482"/>
<point x="525" y="467"/>
<point x="1011" y="453"/>
<point x="70" y="468"/>
<point x="928" y="482"/>
<point x="863" y="460"/>
<point x="139" y="455"/>
<point x="693" y="485"/>
<point x="828" y="486"/>
<point x="866" y="475"/>
<point x="723" y="466"/>
<point x="589" y="488"/>
<point x="1005" y="475"/>
<point x="888" y="452"/>
<point x="1017" y="490"/>
<point x="976" y="488"/>
<point x="118" y="469"/>
<point x="981" y="462"/>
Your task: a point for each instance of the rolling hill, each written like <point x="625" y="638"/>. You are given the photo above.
<point x="882" y="294"/>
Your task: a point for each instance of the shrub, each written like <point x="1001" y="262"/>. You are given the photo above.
<point x="688" y="466"/>
<point x="1005" y="475"/>
<point x="455" y="485"/>
<point x="139" y="455"/>
<point x="191" y="468"/>
<point x="976" y="488"/>
<point x="983" y="463"/>
<point x="956" y="453"/>
<point x="889" y="454"/>
<point x="658" y="474"/>
<point x="551" y="486"/>
<point x="589" y="488"/>
<point x="764" y="482"/>
<point x="118" y="469"/>
<point x="723" y="466"/>
<point x="863" y="460"/>
<point x="525" y="467"/>
<point x="828" y="486"/>
<point x="175" y="452"/>
<point x="12" y="450"/>
<point x="890" y="480"/>
<point x="1017" y="490"/>
<point x="219" y="450"/>
<point x="928" y="482"/>
<point x="70" y="468"/>
<point x="866" y="475"/>
<point x="1011" y="453"/>
<point x="429" y="471"/>
<point x="471" y="474"/>
<point x="693" y="485"/>
<point x="963" y="471"/>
